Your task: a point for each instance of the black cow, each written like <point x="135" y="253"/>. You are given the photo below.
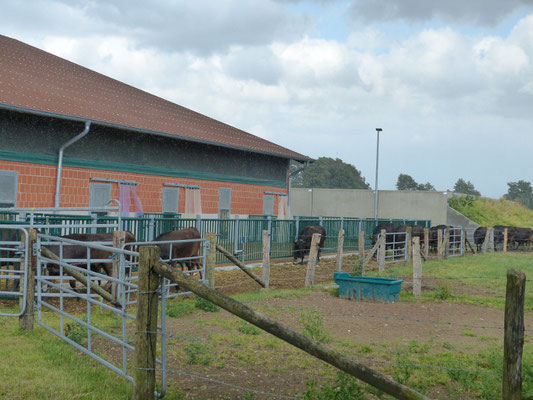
<point x="434" y="236"/>
<point x="302" y="245"/>
<point x="181" y="250"/>
<point x="479" y="237"/>
<point x="389" y="228"/>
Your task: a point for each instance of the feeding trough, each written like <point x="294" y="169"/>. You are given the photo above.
<point x="367" y="288"/>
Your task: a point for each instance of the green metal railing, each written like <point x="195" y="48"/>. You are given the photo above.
<point x="242" y="237"/>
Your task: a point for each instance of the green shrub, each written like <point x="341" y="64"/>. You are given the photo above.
<point x="76" y="331"/>
<point x="443" y="291"/>
<point x="178" y="308"/>
<point x="344" y="387"/>
<point x="205" y="305"/>
<point x="314" y="326"/>
<point x="198" y="354"/>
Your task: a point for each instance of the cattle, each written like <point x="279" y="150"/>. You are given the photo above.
<point x="181" y="250"/>
<point x="389" y="228"/>
<point x="522" y="237"/>
<point x="80" y="252"/>
<point x="434" y="236"/>
<point x="302" y="244"/>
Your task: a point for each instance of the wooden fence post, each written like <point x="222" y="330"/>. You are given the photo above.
<point x="146" y="324"/>
<point x="311" y="263"/>
<point x="505" y="238"/>
<point x="463" y="241"/>
<point x="490" y="246"/>
<point x="119" y="239"/>
<point x="361" y="240"/>
<point x="417" y="268"/>
<point x="211" y="258"/>
<point x="485" y="244"/>
<point x="439" y="244"/>
<point x="513" y="342"/>
<point x="382" y="250"/>
<point x="26" y="320"/>
<point x="266" y="259"/>
<point x="340" y="246"/>
<point x="426" y="243"/>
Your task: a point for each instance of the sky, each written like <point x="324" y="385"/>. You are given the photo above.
<point x="449" y="82"/>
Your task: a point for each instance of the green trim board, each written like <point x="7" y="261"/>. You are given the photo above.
<point x="45" y="159"/>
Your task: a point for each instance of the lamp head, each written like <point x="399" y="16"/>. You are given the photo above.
<point x="378" y="130"/>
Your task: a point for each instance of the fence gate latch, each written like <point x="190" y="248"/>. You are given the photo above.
<point x="207" y="244"/>
<point x="35" y="247"/>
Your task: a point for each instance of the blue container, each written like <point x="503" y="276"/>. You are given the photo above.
<point x="367" y="288"/>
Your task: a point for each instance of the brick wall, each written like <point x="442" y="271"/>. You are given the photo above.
<point x="36" y="188"/>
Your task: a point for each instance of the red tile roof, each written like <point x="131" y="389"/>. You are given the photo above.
<point x="32" y="79"/>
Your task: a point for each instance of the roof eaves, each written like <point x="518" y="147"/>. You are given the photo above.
<point x="147" y="131"/>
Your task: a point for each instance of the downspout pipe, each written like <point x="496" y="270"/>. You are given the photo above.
<point x="60" y="160"/>
<point x="290" y="185"/>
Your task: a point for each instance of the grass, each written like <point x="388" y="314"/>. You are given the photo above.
<point x="482" y="278"/>
<point x="490" y="212"/>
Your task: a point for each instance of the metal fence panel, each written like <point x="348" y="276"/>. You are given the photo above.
<point x="14" y="248"/>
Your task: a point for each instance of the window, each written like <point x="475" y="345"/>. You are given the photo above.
<point x="8" y="188"/>
<point x="224" y="202"/>
<point x="100" y="194"/>
<point x="268" y="204"/>
<point x="170" y="200"/>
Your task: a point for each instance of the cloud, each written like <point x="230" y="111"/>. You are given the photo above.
<point x="200" y="26"/>
<point x="478" y="12"/>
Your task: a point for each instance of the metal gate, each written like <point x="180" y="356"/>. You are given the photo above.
<point x="86" y="331"/>
<point x="396" y="247"/>
<point x="14" y="246"/>
<point x="455" y="247"/>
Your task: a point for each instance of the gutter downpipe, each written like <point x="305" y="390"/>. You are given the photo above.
<point x="290" y="185"/>
<point x="60" y="160"/>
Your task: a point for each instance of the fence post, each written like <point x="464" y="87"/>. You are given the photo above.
<point x="439" y="244"/>
<point x="340" y="246"/>
<point x="151" y="228"/>
<point x="491" y="240"/>
<point x="361" y="240"/>
<point x="236" y="235"/>
<point x="311" y="263"/>
<point x="266" y="259"/>
<point x="94" y="220"/>
<point x="463" y="241"/>
<point x="146" y="324"/>
<point x="119" y="239"/>
<point x="485" y="244"/>
<point x="320" y="221"/>
<point x="513" y="335"/>
<point x="198" y="222"/>
<point x="408" y="238"/>
<point x="426" y="242"/>
<point x="211" y="258"/>
<point x="417" y="268"/>
<point x="297" y="230"/>
<point x="342" y="222"/>
<point x="505" y="238"/>
<point x="382" y="250"/>
<point x="26" y="319"/>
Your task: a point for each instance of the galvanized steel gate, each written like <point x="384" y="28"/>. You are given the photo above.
<point x="396" y="247"/>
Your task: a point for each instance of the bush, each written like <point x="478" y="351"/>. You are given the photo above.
<point x="443" y="292"/>
<point x="76" y="331"/>
<point x="313" y="326"/>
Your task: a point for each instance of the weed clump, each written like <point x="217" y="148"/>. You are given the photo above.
<point x="314" y="326"/>
<point x="205" y="305"/>
<point x="198" y="354"/>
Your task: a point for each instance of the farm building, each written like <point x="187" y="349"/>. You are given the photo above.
<point x="120" y="142"/>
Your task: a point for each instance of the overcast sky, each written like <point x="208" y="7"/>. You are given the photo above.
<point x="449" y="82"/>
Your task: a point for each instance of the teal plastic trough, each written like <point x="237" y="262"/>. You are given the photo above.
<point x="367" y="288"/>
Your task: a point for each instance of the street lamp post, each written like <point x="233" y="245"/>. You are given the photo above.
<point x="376" y="195"/>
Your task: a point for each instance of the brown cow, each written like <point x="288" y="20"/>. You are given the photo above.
<point x="181" y="250"/>
<point x="79" y="252"/>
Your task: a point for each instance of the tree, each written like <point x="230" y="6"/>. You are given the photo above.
<point x="463" y="187"/>
<point x="330" y="173"/>
<point x="425" y="186"/>
<point x="406" y="182"/>
<point x="521" y="192"/>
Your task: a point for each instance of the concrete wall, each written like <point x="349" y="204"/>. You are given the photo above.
<point x="360" y="203"/>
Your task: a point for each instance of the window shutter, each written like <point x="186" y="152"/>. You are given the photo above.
<point x="224" y="199"/>
<point x="8" y="188"/>
<point x="170" y="200"/>
<point x="100" y="194"/>
<point x="268" y="204"/>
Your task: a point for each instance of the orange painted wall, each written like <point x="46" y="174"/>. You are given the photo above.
<point x="36" y="188"/>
